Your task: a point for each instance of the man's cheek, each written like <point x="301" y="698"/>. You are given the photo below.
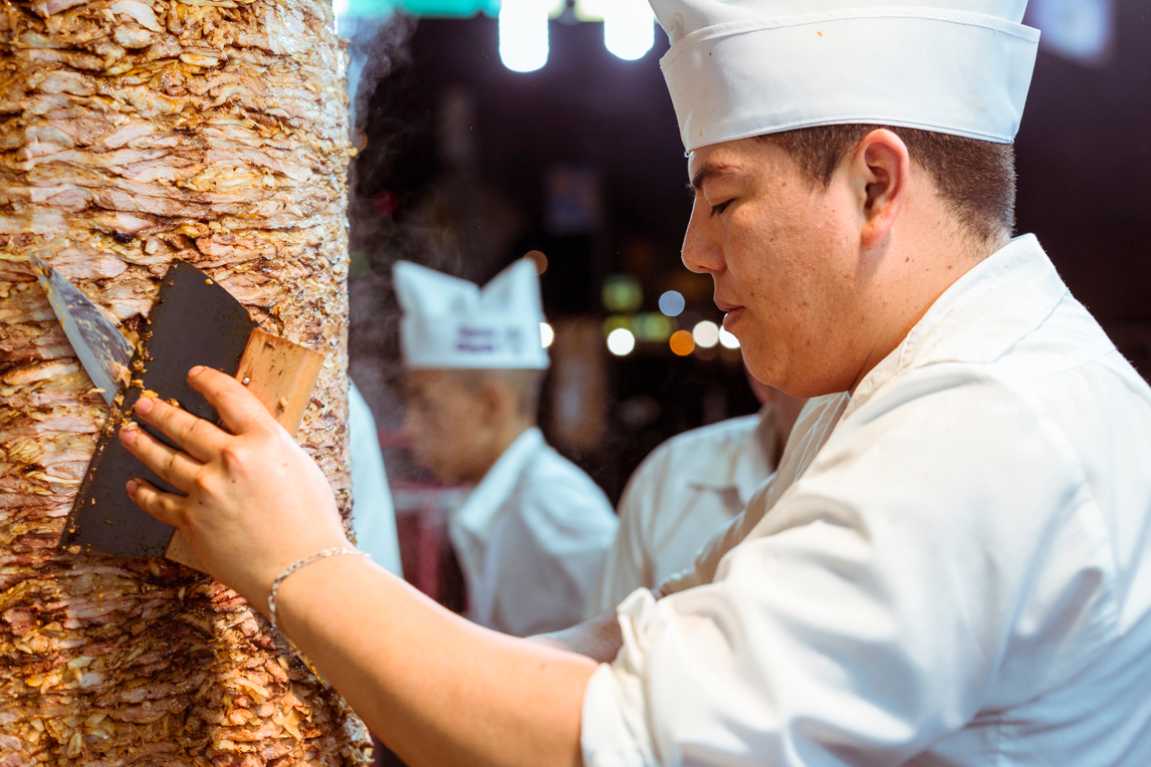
<point x="440" y="436"/>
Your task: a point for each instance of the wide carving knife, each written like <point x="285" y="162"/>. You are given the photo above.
<point x="102" y="349"/>
<point x="193" y="322"/>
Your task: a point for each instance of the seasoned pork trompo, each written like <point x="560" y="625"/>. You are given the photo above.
<point x="132" y="133"/>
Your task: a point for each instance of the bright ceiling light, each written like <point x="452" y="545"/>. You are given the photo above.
<point x="705" y="334"/>
<point x="621" y="342"/>
<point x="727" y="339"/>
<point x="629" y="28"/>
<point x="523" y="35"/>
<point x="547" y="335"/>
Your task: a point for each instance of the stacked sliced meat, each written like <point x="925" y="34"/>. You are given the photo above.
<point x="132" y="133"/>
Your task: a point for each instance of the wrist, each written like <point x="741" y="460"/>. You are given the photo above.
<point x="280" y="556"/>
<point x="321" y="562"/>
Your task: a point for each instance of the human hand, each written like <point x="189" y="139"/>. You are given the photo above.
<point x="255" y="501"/>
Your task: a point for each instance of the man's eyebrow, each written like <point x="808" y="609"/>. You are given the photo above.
<point x="709" y="171"/>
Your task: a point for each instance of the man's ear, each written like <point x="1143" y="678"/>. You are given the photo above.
<point x="880" y="169"/>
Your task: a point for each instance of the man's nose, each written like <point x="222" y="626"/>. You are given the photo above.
<point x="700" y="253"/>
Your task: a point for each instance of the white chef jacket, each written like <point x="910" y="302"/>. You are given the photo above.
<point x="373" y="515"/>
<point x="959" y="574"/>
<point x="680" y="496"/>
<point x="531" y="540"/>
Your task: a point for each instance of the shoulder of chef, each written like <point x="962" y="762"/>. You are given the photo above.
<point x="713" y="457"/>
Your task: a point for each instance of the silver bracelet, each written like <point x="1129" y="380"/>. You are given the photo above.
<point x="300" y="564"/>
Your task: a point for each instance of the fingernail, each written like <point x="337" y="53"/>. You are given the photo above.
<point x="144" y="405"/>
<point x="197" y="370"/>
<point x="133" y="484"/>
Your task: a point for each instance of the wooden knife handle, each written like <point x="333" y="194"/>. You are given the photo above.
<point x="282" y="375"/>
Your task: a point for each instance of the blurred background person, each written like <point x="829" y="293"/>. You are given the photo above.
<point x="532" y="535"/>
<point x="687" y="489"/>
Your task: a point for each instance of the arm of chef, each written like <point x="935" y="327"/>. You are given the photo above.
<point x="552" y="553"/>
<point x="865" y="617"/>
<point x="627" y="565"/>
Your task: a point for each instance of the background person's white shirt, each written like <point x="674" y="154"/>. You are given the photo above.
<point x="373" y="514"/>
<point x="531" y="540"/>
<point x="680" y="496"/>
<point x="961" y="576"/>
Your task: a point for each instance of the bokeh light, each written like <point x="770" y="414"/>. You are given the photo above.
<point x="629" y="29"/>
<point x="672" y="303"/>
<point x="681" y="343"/>
<point x="651" y="327"/>
<point x="621" y="342"/>
<point x="539" y="258"/>
<point x="727" y="339"/>
<point x="523" y="27"/>
<point x="705" y="334"/>
<point x="547" y="334"/>
<point x="622" y="293"/>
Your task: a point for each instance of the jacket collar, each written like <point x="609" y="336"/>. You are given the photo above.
<point x="747" y="464"/>
<point x="980" y="317"/>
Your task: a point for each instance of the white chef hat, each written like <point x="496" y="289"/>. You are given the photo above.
<point x="452" y="323"/>
<point x="741" y="68"/>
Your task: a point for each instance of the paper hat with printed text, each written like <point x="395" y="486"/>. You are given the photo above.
<point x="451" y="323"/>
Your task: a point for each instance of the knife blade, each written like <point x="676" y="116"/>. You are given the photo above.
<point x="102" y="349"/>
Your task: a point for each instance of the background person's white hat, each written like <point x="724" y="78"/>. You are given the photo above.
<point x="451" y="323"/>
<point x="742" y="68"/>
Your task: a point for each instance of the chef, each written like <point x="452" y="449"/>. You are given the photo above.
<point x="955" y="566"/>
<point x="533" y="533"/>
<point x="689" y="488"/>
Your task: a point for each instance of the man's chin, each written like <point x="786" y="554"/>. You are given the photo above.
<point x="446" y="477"/>
<point x="763" y="367"/>
<point x="438" y="471"/>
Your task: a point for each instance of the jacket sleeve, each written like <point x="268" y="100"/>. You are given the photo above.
<point x="552" y="554"/>
<point x="868" y="614"/>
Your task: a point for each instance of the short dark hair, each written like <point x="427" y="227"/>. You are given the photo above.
<point x="976" y="177"/>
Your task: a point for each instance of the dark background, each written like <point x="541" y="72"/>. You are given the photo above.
<point x="1083" y="156"/>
